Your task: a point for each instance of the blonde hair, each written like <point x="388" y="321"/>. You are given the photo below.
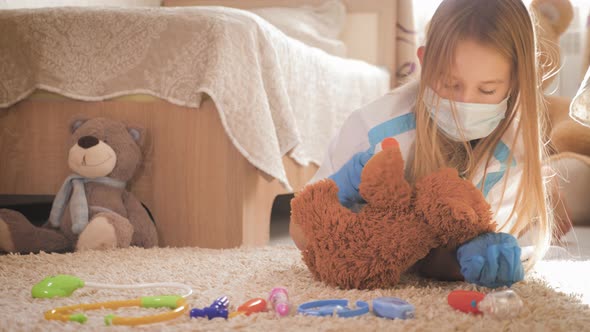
<point x="506" y="26"/>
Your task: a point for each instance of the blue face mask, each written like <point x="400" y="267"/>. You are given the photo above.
<point x="475" y="120"/>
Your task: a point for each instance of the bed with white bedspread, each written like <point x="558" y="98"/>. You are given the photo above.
<point x="237" y="110"/>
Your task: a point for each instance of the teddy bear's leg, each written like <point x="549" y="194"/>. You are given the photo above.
<point x="106" y="230"/>
<point x="382" y="181"/>
<point x="17" y="234"/>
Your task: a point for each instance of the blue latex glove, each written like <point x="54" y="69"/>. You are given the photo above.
<point x="491" y="260"/>
<point x="348" y="179"/>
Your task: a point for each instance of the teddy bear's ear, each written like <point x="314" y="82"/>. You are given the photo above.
<point x="77" y="122"/>
<point x="553" y="17"/>
<point x="559" y="13"/>
<point x="138" y="134"/>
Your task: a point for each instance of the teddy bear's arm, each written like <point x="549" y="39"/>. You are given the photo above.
<point x="144" y="234"/>
<point x="454" y="207"/>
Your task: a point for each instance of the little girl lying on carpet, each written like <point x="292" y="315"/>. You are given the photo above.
<point x="477" y="108"/>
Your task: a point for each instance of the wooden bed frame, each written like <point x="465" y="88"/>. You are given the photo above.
<point x="200" y="189"/>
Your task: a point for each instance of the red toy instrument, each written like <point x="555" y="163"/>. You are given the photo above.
<point x="499" y="304"/>
<point x="465" y="300"/>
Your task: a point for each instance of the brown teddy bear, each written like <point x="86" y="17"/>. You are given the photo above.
<point x="570" y="154"/>
<point x="397" y="227"/>
<point x="92" y="210"/>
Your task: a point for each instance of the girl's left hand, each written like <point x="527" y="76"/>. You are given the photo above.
<point x="491" y="260"/>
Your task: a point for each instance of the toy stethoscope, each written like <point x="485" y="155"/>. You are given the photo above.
<point x="64" y="285"/>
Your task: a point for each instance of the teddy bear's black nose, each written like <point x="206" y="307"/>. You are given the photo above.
<point x="87" y="141"/>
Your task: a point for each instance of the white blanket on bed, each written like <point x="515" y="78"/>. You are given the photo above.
<point x="274" y="94"/>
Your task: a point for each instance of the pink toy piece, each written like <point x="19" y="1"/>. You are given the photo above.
<point x="279" y="300"/>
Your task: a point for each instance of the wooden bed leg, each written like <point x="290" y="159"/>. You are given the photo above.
<point x="206" y="193"/>
<point x="257" y="208"/>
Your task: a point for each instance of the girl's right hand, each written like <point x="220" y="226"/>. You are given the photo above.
<point x="491" y="260"/>
<point x="348" y="179"/>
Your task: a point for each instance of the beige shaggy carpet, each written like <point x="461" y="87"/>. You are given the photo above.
<point x="555" y="297"/>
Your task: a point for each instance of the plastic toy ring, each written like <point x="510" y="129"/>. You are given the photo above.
<point x="330" y="307"/>
<point x="178" y="303"/>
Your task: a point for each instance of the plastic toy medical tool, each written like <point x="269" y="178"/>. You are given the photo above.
<point x="279" y="300"/>
<point x="65" y="285"/>
<point x="501" y="304"/>
<point x="339" y="307"/>
<point x="217" y="309"/>
<point x="393" y="308"/>
<point x="249" y="307"/>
